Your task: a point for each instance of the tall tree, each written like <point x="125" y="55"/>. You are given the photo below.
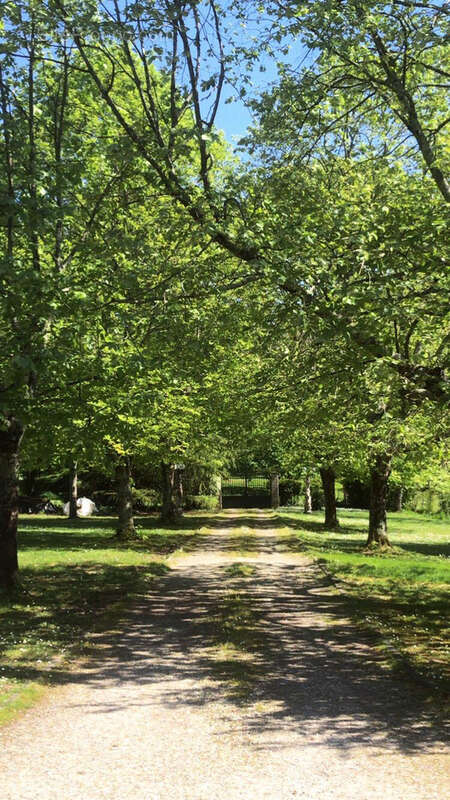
<point x="58" y="174"/>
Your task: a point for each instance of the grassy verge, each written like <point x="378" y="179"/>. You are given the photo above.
<point x="75" y="579"/>
<point x="402" y="594"/>
<point x="235" y="655"/>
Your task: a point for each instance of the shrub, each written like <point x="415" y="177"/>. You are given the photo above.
<point x="54" y="498"/>
<point x="203" y="502"/>
<point x="146" y="499"/>
<point x="428" y="501"/>
<point x="56" y="501"/>
<point x="105" y="500"/>
<point x="291" y="491"/>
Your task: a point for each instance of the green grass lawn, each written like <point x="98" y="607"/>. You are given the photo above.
<point x="402" y="594"/>
<point x="75" y="579"/>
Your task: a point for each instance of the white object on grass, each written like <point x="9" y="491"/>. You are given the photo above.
<point x="85" y="507"/>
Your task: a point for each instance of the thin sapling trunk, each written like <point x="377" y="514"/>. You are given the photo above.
<point x="308" y="498"/>
<point x="73" y="490"/>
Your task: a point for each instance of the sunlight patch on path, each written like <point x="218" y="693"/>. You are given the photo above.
<point x="222" y="685"/>
<point x="234" y="542"/>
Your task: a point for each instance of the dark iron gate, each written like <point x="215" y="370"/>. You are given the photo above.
<point x="242" y="492"/>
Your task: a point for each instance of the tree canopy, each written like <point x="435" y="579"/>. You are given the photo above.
<point x="166" y="300"/>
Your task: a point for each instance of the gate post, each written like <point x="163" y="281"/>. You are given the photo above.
<point x="274" y="491"/>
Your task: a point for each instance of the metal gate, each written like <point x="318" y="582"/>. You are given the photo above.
<point x="244" y="492"/>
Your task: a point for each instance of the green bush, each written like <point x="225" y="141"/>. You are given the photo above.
<point x="146" y="499"/>
<point x="203" y="502"/>
<point x="428" y="501"/>
<point x="291" y="491"/>
<point x="105" y="500"/>
<point x="317" y="499"/>
<point x="56" y="499"/>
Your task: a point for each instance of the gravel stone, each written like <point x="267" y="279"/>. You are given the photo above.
<point x="153" y="717"/>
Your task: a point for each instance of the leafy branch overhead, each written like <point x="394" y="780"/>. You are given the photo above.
<point x="167" y="298"/>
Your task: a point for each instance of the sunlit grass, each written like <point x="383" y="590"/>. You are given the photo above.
<point x="401" y="593"/>
<point x="75" y="578"/>
<point x="239" y="570"/>
<point x="16" y="696"/>
<point x="412" y="532"/>
<point x="235" y="655"/>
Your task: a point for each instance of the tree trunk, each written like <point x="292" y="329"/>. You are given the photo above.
<point x="179" y="492"/>
<point x="73" y="490"/>
<point x="9" y="164"/>
<point x="398" y="499"/>
<point x="125" y="527"/>
<point x="328" y="478"/>
<point x="308" y="499"/>
<point x="9" y="510"/>
<point x="345" y="493"/>
<point x="170" y="511"/>
<point x="274" y="491"/>
<point x="379" y="477"/>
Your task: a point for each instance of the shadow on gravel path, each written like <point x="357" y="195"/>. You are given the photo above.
<point x="276" y="643"/>
<point x="237" y="678"/>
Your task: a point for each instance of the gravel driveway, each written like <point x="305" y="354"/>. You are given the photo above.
<point x="230" y="682"/>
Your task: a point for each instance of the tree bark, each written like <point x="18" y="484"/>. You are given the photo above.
<point x="7" y="137"/>
<point x="308" y="499"/>
<point x="328" y="478"/>
<point x="33" y="216"/>
<point x="219" y="493"/>
<point x="274" y="491"/>
<point x="345" y="493"/>
<point x="170" y="511"/>
<point x="73" y="490"/>
<point x="125" y="526"/>
<point x="179" y="491"/>
<point x="379" y="477"/>
<point x="398" y="499"/>
<point x="10" y="438"/>
<point x="407" y="111"/>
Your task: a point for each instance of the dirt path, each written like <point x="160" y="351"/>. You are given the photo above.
<point x="230" y="682"/>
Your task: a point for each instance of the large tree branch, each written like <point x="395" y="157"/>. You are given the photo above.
<point x="161" y="164"/>
<point x="410" y="115"/>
